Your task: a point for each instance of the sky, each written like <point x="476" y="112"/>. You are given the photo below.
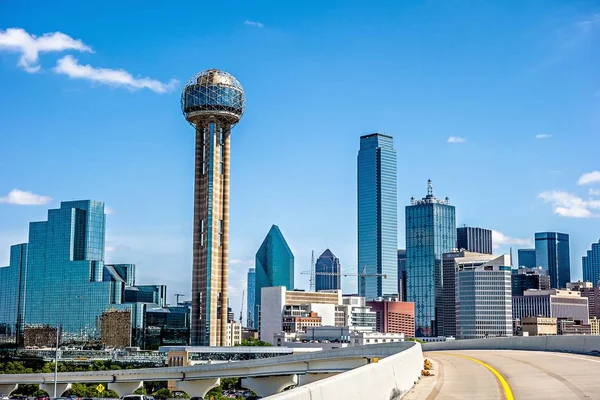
<point x="497" y="102"/>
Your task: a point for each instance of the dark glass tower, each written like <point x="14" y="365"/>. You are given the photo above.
<point x="402" y="274"/>
<point x="527" y="258"/>
<point x="377" y="217"/>
<point x="251" y="297"/>
<point x="430" y="232"/>
<point x="274" y="266"/>
<point x="552" y="254"/>
<point x="591" y="264"/>
<point x="328" y="271"/>
<point x="477" y="240"/>
<point x="212" y="101"/>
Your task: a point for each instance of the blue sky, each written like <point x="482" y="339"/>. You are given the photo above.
<point x="93" y="112"/>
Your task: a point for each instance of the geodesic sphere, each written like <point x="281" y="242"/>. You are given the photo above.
<point x="213" y="94"/>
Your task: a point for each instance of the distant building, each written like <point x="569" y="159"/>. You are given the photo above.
<point x="168" y="326"/>
<point x="394" y="316"/>
<point x="355" y="314"/>
<point x="234" y="333"/>
<point x="527" y="258"/>
<point x="328" y="272"/>
<point x="591" y="292"/>
<point x="116" y="328"/>
<point x="529" y="278"/>
<point x="552" y="254"/>
<point x="377" y="216"/>
<point x="595" y="326"/>
<point x="366" y="338"/>
<point x="402" y="274"/>
<point x="478" y="240"/>
<point x="153" y="294"/>
<point x="41" y="336"/>
<point x="568" y="326"/>
<point x="539" y="326"/>
<point x="274" y="266"/>
<point x="430" y="232"/>
<point x="551" y="303"/>
<point x="591" y="265"/>
<point x="251" y="297"/>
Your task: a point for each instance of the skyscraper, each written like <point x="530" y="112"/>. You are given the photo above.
<point x="527" y="258"/>
<point x="328" y="272"/>
<point x="552" y="254"/>
<point x="523" y="279"/>
<point x="591" y="264"/>
<point x="274" y="266"/>
<point x="251" y="297"/>
<point x="478" y="240"/>
<point x="212" y="101"/>
<point x="430" y="232"/>
<point x="402" y="274"/>
<point x="377" y="216"/>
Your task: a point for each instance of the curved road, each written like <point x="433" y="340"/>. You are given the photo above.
<point x="509" y="374"/>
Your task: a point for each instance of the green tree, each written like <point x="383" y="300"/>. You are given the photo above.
<point x="230" y="383"/>
<point x="26" y="390"/>
<point x="163" y="393"/>
<point x="253" y="342"/>
<point x="109" y="394"/>
<point x="141" y="390"/>
<point x="39" y="392"/>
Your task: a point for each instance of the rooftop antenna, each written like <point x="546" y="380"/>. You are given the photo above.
<point x="511" y="259"/>
<point x="429" y="188"/>
<point x="177" y="296"/>
<point x="312" y="272"/>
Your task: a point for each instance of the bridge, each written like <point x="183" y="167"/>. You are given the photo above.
<point x="553" y="367"/>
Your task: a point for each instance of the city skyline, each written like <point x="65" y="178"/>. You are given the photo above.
<point x="150" y="204"/>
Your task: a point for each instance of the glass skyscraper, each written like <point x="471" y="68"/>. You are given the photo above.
<point x="328" y="272"/>
<point x="527" y="258"/>
<point x="430" y="232"/>
<point x="402" y="274"/>
<point x="377" y="217"/>
<point x="478" y="240"/>
<point x="274" y="266"/>
<point x="251" y="297"/>
<point x="591" y="264"/>
<point x="552" y="254"/>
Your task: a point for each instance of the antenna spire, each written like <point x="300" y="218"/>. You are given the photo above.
<point x="429" y="188"/>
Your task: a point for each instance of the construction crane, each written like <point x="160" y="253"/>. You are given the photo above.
<point x="242" y="306"/>
<point x="361" y="277"/>
<point x="177" y="296"/>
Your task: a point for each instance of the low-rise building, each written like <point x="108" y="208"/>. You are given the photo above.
<point x="595" y="325"/>
<point x="394" y="316"/>
<point x="538" y="326"/>
<point x="356" y="314"/>
<point x="591" y="292"/>
<point x="365" y="338"/>
<point x="234" y="333"/>
<point x="568" y="326"/>
<point x="552" y="303"/>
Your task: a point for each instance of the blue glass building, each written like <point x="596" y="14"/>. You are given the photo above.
<point x="274" y="266"/>
<point x="377" y="217"/>
<point x="477" y="240"/>
<point x="328" y="272"/>
<point x="430" y="232"/>
<point x="402" y="274"/>
<point x="552" y="254"/>
<point x="251" y="297"/>
<point x="591" y="264"/>
<point x="527" y="258"/>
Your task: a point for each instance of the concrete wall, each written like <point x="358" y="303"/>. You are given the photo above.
<point x="271" y="310"/>
<point x="390" y="378"/>
<point x="570" y="344"/>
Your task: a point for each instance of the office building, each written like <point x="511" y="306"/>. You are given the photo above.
<point x="552" y="254"/>
<point x="366" y="338"/>
<point x="539" y="326"/>
<point x="274" y="266"/>
<point x="430" y="232"/>
<point x="595" y="326"/>
<point x="402" y="274"/>
<point x="529" y="278"/>
<point x="328" y="272"/>
<point x="234" y="333"/>
<point x="250" y="297"/>
<point x="166" y="326"/>
<point x="394" y="316"/>
<point x="377" y="217"/>
<point x="483" y="297"/>
<point x="355" y="314"/>
<point x="591" y="265"/>
<point x="569" y="326"/>
<point x="592" y="293"/>
<point x="477" y="240"/>
<point x="527" y="258"/>
<point x="116" y="328"/>
<point x="553" y="303"/>
<point x="212" y="102"/>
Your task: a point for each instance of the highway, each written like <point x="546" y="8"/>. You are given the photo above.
<point x="509" y="374"/>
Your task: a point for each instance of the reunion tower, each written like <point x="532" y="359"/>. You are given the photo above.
<point x="212" y="102"/>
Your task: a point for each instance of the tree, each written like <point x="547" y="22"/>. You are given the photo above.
<point x="141" y="390"/>
<point x="230" y="383"/>
<point x="26" y="390"/>
<point x="253" y="342"/>
<point x="163" y="393"/>
<point x="39" y="392"/>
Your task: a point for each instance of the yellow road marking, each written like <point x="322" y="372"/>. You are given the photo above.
<point x="507" y="392"/>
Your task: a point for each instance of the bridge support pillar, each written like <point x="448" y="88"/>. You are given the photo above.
<point x="269" y="385"/>
<point x="310" y="378"/>
<point x="60" y="388"/>
<point x="198" y="388"/>
<point x="8" y="388"/>
<point x="125" y="388"/>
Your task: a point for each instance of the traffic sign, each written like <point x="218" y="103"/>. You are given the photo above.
<point x="100" y="388"/>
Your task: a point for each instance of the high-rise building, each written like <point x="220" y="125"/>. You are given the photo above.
<point x="552" y="254"/>
<point x="212" y="101"/>
<point x="591" y="264"/>
<point x="478" y="240"/>
<point x="430" y="232"/>
<point x="529" y="278"/>
<point x="251" y="297"/>
<point x="527" y="258"/>
<point x="402" y="274"/>
<point x="274" y="267"/>
<point x="377" y="216"/>
<point x="328" y="272"/>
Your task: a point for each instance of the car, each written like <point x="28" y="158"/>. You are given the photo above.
<point x="42" y="398"/>
<point x="135" y="397"/>
<point x="196" y="398"/>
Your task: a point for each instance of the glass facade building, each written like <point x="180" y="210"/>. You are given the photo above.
<point x="527" y="258"/>
<point x="274" y="266"/>
<point x="430" y="232"/>
<point x="529" y="278"/>
<point x="251" y="297"/>
<point x="477" y="240"/>
<point x="328" y="272"/>
<point x="552" y="254"/>
<point x="591" y="265"/>
<point x="402" y="274"/>
<point x="377" y="217"/>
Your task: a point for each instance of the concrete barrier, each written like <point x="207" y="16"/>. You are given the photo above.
<point x="579" y="344"/>
<point x="388" y="379"/>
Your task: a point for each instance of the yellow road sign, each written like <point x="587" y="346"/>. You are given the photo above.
<point x="100" y="388"/>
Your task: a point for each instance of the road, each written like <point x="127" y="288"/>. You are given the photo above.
<point x="502" y="374"/>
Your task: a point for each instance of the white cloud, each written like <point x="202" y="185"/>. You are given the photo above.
<point x="589" y="178"/>
<point x="500" y="239"/>
<point x="254" y="23"/>
<point x="456" y="139"/>
<point x="569" y="205"/>
<point x="543" y="136"/>
<point x="594" y="192"/>
<point x="108" y="210"/>
<point x="23" y="198"/>
<point x="588" y="24"/>
<point x="69" y="66"/>
<point x="30" y="46"/>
